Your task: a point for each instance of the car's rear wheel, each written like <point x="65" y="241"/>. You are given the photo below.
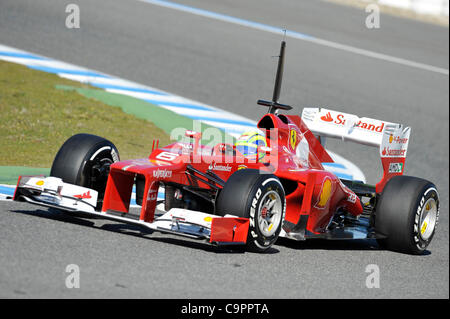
<point x="406" y="214"/>
<point x="259" y="197"/>
<point x="84" y="160"/>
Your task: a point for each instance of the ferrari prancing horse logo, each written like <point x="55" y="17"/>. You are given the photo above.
<point x="293" y="138"/>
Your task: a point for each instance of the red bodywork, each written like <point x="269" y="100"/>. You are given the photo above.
<point x="311" y="191"/>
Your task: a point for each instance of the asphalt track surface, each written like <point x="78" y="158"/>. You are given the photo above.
<point x="231" y="66"/>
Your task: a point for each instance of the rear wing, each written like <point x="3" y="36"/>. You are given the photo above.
<point x="391" y="138"/>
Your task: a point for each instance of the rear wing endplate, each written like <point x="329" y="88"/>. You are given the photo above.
<point x="391" y="138"/>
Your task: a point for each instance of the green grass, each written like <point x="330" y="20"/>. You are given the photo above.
<point x="36" y="119"/>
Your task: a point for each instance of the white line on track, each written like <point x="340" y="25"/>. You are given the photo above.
<point x="297" y="35"/>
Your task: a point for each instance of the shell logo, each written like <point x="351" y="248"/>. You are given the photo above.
<point x="325" y="193"/>
<point x="40" y="183"/>
<point x="207" y="219"/>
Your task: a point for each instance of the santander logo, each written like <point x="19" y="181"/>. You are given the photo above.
<point x="86" y="195"/>
<point x="327" y="117"/>
<point x="215" y="167"/>
<point x="341" y="120"/>
<point x="393" y="152"/>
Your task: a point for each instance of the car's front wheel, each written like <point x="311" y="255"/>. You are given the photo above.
<point x="84" y="160"/>
<point x="258" y="197"/>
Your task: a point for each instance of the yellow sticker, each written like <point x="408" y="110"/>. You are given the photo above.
<point x="325" y="193"/>
<point x="40" y="183"/>
<point x="293" y="138"/>
<point x="424" y="228"/>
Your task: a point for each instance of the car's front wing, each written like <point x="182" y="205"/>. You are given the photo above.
<point x="53" y="192"/>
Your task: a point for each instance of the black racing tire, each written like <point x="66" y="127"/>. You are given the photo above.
<point x="247" y="193"/>
<point x="84" y="160"/>
<point x="407" y="214"/>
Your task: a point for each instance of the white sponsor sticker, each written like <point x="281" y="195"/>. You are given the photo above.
<point x="162" y="173"/>
<point x="395" y="167"/>
<point x="395" y="142"/>
<point x="223" y="168"/>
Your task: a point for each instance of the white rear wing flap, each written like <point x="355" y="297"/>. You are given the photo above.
<point x="391" y="138"/>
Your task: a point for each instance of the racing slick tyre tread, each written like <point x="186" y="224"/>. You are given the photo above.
<point x="398" y="214"/>
<point x="79" y="155"/>
<point x="242" y="196"/>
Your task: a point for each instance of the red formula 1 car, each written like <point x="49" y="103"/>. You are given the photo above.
<point x="227" y="195"/>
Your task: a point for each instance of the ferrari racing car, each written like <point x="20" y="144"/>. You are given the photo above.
<point x="269" y="183"/>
